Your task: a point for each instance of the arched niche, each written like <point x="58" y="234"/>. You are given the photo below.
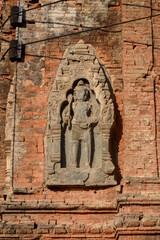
<point x="80" y="117"/>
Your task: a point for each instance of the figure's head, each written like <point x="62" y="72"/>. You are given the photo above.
<point x="81" y="92"/>
<point x="80" y="83"/>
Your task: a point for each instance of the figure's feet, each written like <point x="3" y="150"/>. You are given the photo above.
<point x="73" y="166"/>
<point x="86" y="166"/>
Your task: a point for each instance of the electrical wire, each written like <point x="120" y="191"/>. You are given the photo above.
<point x="66" y="24"/>
<point x="80" y="32"/>
<point x="10" y="79"/>
<point x="48" y="4"/>
<point x="63" y="24"/>
<point x="41" y="56"/>
<point x="4" y="109"/>
<point x="72" y="53"/>
<point x="135" y="5"/>
<point x="30" y="9"/>
<point x="4" y="40"/>
<point x="139" y="43"/>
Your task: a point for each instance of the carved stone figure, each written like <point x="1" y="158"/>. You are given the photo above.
<point x="80" y="117"/>
<point x="80" y="120"/>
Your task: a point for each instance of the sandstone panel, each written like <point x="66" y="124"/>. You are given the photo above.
<point x="80" y="117"/>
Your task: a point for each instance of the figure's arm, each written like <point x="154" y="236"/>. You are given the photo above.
<point x="94" y="115"/>
<point x="65" y="117"/>
<point x="70" y="99"/>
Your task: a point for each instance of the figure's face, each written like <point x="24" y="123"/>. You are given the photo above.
<point x="80" y="83"/>
<point x="81" y="94"/>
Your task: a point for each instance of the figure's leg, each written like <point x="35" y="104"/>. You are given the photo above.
<point x="87" y="147"/>
<point x="75" y="145"/>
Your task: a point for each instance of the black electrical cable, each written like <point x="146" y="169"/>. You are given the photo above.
<point x="73" y="53"/>
<point x="5" y="40"/>
<point x="135" y="5"/>
<point x="94" y="29"/>
<point x="80" y="32"/>
<point x="66" y="24"/>
<point x="139" y="43"/>
<point x="44" y="5"/>
<point x="63" y="24"/>
<point x="40" y="56"/>
<point x="10" y="79"/>
<point x="30" y="9"/>
<point x="48" y="4"/>
<point x="4" y="109"/>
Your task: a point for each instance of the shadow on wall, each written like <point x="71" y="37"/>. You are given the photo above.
<point x="115" y="137"/>
<point x="115" y="134"/>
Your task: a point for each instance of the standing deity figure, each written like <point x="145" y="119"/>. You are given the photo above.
<point x="81" y="125"/>
<point x="79" y="118"/>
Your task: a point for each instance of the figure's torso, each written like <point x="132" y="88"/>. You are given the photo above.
<point x="81" y="115"/>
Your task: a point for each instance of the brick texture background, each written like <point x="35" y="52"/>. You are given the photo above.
<point x="130" y="53"/>
<point x="6" y="75"/>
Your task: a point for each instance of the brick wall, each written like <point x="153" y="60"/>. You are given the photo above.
<point x="129" y="210"/>
<point x="139" y="94"/>
<point x="6" y="74"/>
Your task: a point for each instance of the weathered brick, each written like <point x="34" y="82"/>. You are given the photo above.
<point x="131" y="56"/>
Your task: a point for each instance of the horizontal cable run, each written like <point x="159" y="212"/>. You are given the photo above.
<point x="30" y="9"/>
<point x="41" y="56"/>
<point x="72" y="53"/>
<point x="66" y="24"/>
<point x="142" y="6"/>
<point x="81" y="32"/>
<point x="139" y="43"/>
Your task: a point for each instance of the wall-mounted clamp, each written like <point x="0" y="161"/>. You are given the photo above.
<point x="17" y="18"/>
<point x="16" y="50"/>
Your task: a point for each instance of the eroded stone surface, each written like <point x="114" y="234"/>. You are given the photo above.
<point x="80" y="116"/>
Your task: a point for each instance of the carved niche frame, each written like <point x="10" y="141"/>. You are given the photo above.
<point x="80" y="62"/>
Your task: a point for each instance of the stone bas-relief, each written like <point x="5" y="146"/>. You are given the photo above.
<point x="78" y="121"/>
<point x="80" y="117"/>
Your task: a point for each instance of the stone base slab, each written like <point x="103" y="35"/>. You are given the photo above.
<point x="88" y="177"/>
